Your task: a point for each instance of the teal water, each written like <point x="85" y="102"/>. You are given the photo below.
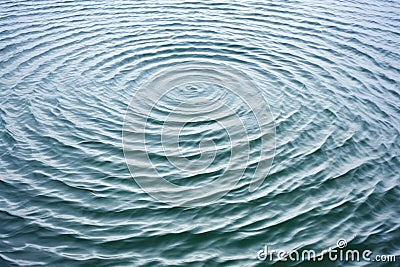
<point x="329" y="71"/>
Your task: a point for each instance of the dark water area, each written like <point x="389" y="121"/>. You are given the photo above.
<point x="329" y="71"/>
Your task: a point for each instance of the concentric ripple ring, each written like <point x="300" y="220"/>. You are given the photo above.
<point x="241" y="110"/>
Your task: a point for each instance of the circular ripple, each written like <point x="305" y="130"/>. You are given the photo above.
<point x="196" y="94"/>
<point x="70" y="68"/>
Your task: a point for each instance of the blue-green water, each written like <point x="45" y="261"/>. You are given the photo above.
<point x="329" y="71"/>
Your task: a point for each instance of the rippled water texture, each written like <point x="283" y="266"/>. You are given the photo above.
<point x="329" y="71"/>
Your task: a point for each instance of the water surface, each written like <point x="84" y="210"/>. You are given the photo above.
<point x="68" y="71"/>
